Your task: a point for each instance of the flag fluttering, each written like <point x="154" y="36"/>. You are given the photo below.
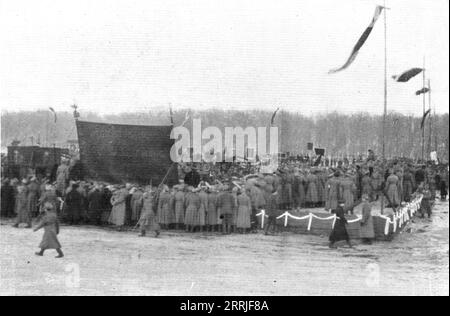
<point x="272" y="120"/>
<point x="422" y="124"/>
<point x="171" y="114"/>
<point x="407" y="75"/>
<point x="422" y="91"/>
<point x="361" y="41"/>
<point x="54" y="113"/>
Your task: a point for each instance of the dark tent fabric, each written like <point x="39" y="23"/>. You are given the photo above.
<point x="126" y="153"/>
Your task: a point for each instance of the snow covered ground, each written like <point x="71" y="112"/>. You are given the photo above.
<point x="100" y="261"/>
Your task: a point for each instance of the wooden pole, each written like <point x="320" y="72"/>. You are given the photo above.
<point x="435" y="131"/>
<point x="385" y="83"/>
<point x="46" y="130"/>
<point x="423" y="112"/>
<point x="430" y="118"/>
<point x="385" y="98"/>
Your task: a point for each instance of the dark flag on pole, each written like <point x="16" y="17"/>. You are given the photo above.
<point x="361" y="41"/>
<point x="407" y="75"/>
<point x="54" y="113"/>
<point x="422" y="91"/>
<point x="273" y="116"/>
<point x="422" y="124"/>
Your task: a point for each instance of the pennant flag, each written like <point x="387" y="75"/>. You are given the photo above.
<point x="422" y="124"/>
<point x="273" y="116"/>
<point x="54" y="112"/>
<point x="171" y="114"/>
<point x="422" y="91"/>
<point x="361" y="41"/>
<point x="407" y="75"/>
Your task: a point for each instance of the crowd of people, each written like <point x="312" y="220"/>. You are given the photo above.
<point x="225" y="197"/>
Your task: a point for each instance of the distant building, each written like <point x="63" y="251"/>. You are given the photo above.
<point x="23" y="161"/>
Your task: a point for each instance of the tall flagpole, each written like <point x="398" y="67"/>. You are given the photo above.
<point x="423" y="112"/>
<point x="385" y="96"/>
<point x="435" y="131"/>
<point x="385" y="82"/>
<point x="430" y="119"/>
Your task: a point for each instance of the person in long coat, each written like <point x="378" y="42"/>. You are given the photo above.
<point x="73" y="205"/>
<point x="426" y="204"/>
<point x="149" y="219"/>
<point x="367" y="229"/>
<point x="203" y="209"/>
<point x="106" y="204"/>
<point x="226" y="204"/>
<point x="49" y="196"/>
<point x="333" y="189"/>
<point x="295" y="192"/>
<point x="443" y="186"/>
<point x="50" y="224"/>
<point x="128" y="210"/>
<point x="272" y="211"/>
<point x="348" y="189"/>
<point x="179" y="206"/>
<point x="234" y="193"/>
<point x="312" y="193"/>
<point x="212" y="218"/>
<point x="83" y="190"/>
<point x="192" y="205"/>
<point x="285" y="190"/>
<point x="269" y="185"/>
<point x="339" y="231"/>
<point x="136" y="205"/>
<point x="366" y="185"/>
<point x="399" y="174"/>
<point x="7" y="199"/>
<point x="95" y="204"/>
<point x="392" y="190"/>
<point x="62" y="176"/>
<point x="166" y="212"/>
<point x="118" y="212"/>
<point x="22" y="209"/>
<point x="420" y="175"/>
<point x="321" y="181"/>
<point x="408" y="185"/>
<point x="377" y="181"/>
<point x="258" y="202"/>
<point x="33" y="196"/>
<point x="301" y="190"/>
<point x="244" y="207"/>
<point x="431" y="181"/>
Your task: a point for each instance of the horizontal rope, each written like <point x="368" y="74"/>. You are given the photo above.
<point x="399" y="219"/>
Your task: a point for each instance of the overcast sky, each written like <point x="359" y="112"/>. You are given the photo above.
<point x="118" y="56"/>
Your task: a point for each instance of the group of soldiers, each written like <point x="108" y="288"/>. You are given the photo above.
<point x="226" y="203"/>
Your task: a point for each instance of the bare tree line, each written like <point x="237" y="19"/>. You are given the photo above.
<point x="339" y="134"/>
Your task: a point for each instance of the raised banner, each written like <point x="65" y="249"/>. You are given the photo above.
<point x="126" y="153"/>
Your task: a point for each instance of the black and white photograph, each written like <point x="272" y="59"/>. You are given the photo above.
<point x="224" y="153"/>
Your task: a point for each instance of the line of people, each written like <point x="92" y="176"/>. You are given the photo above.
<point x="227" y="207"/>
